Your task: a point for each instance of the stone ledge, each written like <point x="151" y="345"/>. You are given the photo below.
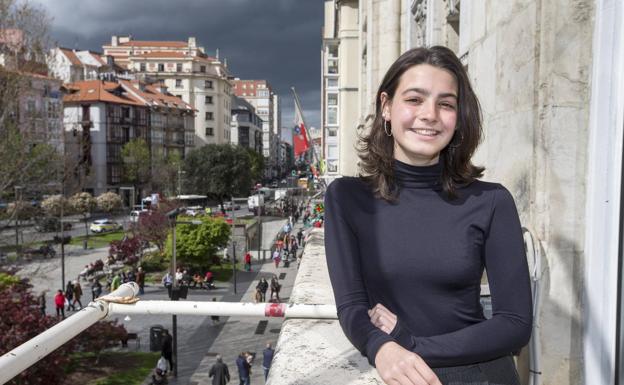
<point x="316" y="351"/>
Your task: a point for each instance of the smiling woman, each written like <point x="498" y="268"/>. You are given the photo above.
<point x="408" y="242"/>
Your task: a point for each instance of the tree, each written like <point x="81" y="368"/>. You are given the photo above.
<point x="24" y="160"/>
<point x="22" y="320"/>
<point x="197" y="244"/>
<point x="54" y="204"/>
<point x="108" y="202"/>
<point x="165" y="172"/>
<point x="220" y="171"/>
<point x="256" y="161"/>
<point x="83" y="203"/>
<point x="136" y="162"/>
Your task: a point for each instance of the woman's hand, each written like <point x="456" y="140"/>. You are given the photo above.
<point x="383" y="318"/>
<point x="399" y="366"/>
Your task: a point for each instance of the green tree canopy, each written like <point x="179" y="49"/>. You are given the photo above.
<point x="136" y="162"/>
<point x="165" y="172"/>
<point x="257" y="165"/>
<point x="218" y="170"/>
<point x="197" y="244"/>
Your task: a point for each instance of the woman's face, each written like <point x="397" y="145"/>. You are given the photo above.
<point x="422" y="114"/>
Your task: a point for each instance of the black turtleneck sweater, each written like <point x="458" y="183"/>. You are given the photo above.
<point x="423" y="257"/>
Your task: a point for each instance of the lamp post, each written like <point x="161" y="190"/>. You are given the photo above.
<point x="17" y="207"/>
<point x="175" y="294"/>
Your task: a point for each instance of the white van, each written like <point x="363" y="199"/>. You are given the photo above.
<point x="135" y="214"/>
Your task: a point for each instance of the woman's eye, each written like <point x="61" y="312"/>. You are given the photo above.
<point x="448" y="105"/>
<point x="414" y="100"/>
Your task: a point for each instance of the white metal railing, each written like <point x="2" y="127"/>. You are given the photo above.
<point x="22" y="357"/>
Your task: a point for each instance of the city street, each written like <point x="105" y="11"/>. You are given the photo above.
<point x="199" y="339"/>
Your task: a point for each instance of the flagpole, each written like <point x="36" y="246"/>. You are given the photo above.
<point x="298" y="105"/>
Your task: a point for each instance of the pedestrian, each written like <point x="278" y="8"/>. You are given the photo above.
<point x="275" y="288"/>
<point x="219" y="372"/>
<point x="116" y="282"/>
<point x="276" y="257"/>
<point x="77" y="294"/>
<point x="244" y="369"/>
<point x="267" y="359"/>
<point x="214" y="318"/>
<point x="257" y="295"/>
<point x="421" y="203"/>
<point x="69" y="295"/>
<point x="248" y="261"/>
<point x="167" y="281"/>
<point x="96" y="289"/>
<point x="41" y="301"/>
<point x="59" y="302"/>
<point x="209" y="278"/>
<point x="263" y="285"/>
<point x="299" y="237"/>
<point x="167" y="348"/>
<point x="131" y="276"/>
<point x="140" y="280"/>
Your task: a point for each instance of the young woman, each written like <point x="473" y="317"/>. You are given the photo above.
<point x="407" y="242"/>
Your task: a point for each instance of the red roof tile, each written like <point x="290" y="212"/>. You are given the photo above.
<point x="71" y="55"/>
<point x="97" y="91"/>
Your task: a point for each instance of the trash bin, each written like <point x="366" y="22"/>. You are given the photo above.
<point x="156" y="338"/>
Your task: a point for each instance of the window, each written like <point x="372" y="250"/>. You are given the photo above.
<point x="202" y="69"/>
<point x="332" y="99"/>
<point x="332" y="66"/>
<point x="332" y="151"/>
<point x="332" y="115"/>
<point x="332" y="132"/>
<point x="208" y="84"/>
<point x="209" y="131"/>
<point x="208" y="100"/>
<point x="178" y="67"/>
<point x="244" y="86"/>
<point x="332" y="83"/>
<point x="209" y="116"/>
<point x="161" y="67"/>
<point x="264" y="93"/>
<point x="332" y="51"/>
<point x="178" y="83"/>
<point x="142" y="67"/>
<point x="332" y="166"/>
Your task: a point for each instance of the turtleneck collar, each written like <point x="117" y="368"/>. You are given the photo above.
<point x="409" y="176"/>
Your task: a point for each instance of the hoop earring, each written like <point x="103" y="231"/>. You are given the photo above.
<point x="386" y="128"/>
<point x="461" y="139"/>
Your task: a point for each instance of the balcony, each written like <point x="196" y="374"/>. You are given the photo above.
<point x="335" y="360"/>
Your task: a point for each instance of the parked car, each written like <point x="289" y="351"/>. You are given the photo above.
<point x="50" y="224"/>
<point x="228" y="206"/>
<point x="103" y="225"/>
<point x="136" y="214"/>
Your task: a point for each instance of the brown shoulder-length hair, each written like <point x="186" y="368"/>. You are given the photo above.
<point x="376" y="149"/>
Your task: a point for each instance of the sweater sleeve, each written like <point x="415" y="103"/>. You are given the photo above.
<point x="509" y="329"/>
<point x="343" y="260"/>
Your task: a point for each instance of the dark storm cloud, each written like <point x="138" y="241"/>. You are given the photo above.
<point x="276" y="40"/>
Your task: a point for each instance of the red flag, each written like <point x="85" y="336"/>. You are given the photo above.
<point x="300" y="135"/>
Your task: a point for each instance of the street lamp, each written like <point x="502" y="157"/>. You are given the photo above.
<point x="172" y="216"/>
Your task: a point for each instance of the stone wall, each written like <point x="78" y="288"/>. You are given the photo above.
<point x="529" y="62"/>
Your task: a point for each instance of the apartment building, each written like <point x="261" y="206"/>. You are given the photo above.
<point x="246" y="125"/>
<point x="188" y="73"/>
<point x="70" y="65"/>
<point x="339" y="87"/>
<point x="260" y="94"/>
<point x="100" y="117"/>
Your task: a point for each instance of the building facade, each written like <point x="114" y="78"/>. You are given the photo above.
<point x="246" y="125"/>
<point x="101" y="117"/>
<point x="189" y="73"/>
<point x="552" y="121"/>
<point x="72" y="66"/>
<point x="260" y="94"/>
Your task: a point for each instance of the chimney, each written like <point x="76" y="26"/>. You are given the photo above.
<point x="114" y="41"/>
<point x="124" y="39"/>
<point x="192" y="42"/>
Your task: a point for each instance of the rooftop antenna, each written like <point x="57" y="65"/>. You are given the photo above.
<point x="217" y="53"/>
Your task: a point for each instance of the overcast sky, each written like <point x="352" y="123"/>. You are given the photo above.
<point x="276" y="40"/>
